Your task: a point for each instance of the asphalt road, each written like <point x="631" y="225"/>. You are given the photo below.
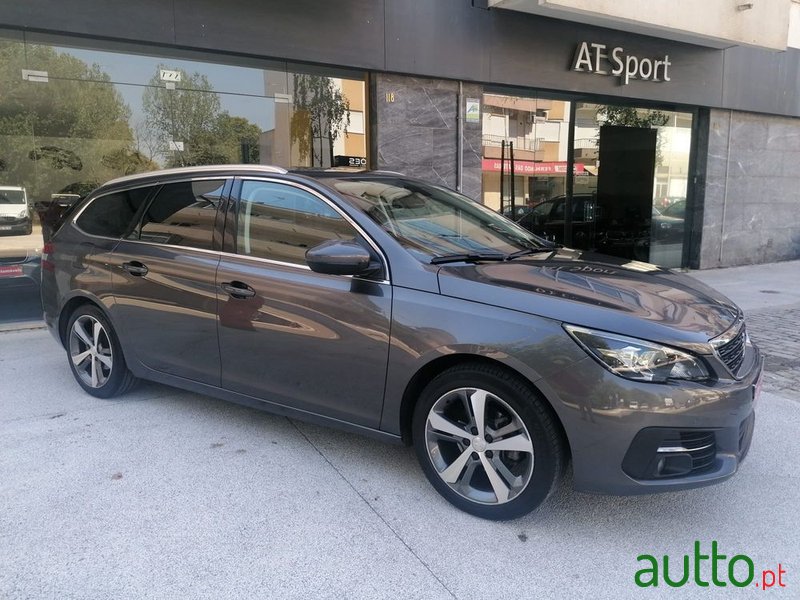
<point x="167" y="494"/>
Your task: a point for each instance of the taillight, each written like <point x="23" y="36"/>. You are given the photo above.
<point x="47" y="251"/>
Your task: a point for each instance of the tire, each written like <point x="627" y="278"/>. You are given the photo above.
<point x="95" y="355"/>
<point x="520" y="443"/>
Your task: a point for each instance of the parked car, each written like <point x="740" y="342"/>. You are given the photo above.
<point x="394" y="308"/>
<point x="55" y="209"/>
<point x="15" y="212"/>
<point x="590" y="231"/>
<point x="20" y="273"/>
<point x="677" y="209"/>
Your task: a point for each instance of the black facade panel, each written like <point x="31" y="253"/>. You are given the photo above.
<point x="346" y="33"/>
<point x="145" y="20"/>
<point x="452" y="38"/>
<point x="538" y="52"/>
<point x="439" y="38"/>
<point x="762" y="81"/>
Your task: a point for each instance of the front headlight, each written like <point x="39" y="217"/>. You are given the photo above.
<point x="637" y="359"/>
<point x="22" y="214"/>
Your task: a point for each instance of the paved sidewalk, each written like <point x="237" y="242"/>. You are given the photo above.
<point x="770" y="297"/>
<point x="169" y="494"/>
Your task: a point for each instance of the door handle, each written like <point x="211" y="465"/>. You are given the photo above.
<point x="237" y="289"/>
<point x="135" y="268"/>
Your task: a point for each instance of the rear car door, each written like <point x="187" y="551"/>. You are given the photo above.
<point x="164" y="274"/>
<point x="288" y="335"/>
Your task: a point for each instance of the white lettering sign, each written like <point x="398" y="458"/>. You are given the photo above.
<point x="595" y="58"/>
<point x="171" y="76"/>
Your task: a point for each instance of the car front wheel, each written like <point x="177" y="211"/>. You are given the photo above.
<point x="487" y="442"/>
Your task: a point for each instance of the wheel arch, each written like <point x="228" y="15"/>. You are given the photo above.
<point x="438" y="365"/>
<point x="70" y="306"/>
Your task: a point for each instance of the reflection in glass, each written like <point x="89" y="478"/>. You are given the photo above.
<point x="538" y="129"/>
<point x="279" y="222"/>
<point x="639" y="193"/>
<point x="98" y="115"/>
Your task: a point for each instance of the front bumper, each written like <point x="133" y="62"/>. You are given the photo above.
<point x="15" y="226"/>
<point x="603" y="414"/>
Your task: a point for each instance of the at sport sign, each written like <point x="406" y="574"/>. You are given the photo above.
<point x="596" y="58"/>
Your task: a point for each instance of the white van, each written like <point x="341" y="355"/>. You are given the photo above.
<point x="15" y="212"/>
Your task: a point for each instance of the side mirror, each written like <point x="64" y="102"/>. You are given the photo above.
<point x="336" y="257"/>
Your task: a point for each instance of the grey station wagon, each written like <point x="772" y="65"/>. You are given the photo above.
<point x="391" y="307"/>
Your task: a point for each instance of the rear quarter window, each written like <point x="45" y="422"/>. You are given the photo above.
<point x="113" y="215"/>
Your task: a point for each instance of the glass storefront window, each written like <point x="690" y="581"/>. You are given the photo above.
<point x="622" y="191"/>
<point x="638" y="162"/>
<point x="536" y="130"/>
<point x="72" y="118"/>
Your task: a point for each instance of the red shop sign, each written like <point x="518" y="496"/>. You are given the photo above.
<point x="529" y="167"/>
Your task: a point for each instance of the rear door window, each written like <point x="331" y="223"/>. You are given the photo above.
<point x="182" y="214"/>
<point x="113" y="215"/>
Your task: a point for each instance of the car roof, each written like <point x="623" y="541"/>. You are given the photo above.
<point x="199" y="170"/>
<point x="239" y="169"/>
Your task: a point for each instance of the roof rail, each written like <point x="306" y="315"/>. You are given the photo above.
<point x="199" y="169"/>
<point x="384" y="172"/>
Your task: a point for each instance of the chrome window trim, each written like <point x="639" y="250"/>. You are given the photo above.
<point x="281" y="263"/>
<point x="331" y="204"/>
<point x="136" y="187"/>
<point x="220" y="253"/>
<point x="269" y="261"/>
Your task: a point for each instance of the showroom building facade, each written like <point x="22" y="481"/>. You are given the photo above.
<point x="674" y="153"/>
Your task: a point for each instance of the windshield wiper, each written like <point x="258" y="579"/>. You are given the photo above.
<point x="491" y="256"/>
<point x="471" y="257"/>
<point x="528" y="251"/>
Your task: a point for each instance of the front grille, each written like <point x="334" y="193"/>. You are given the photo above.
<point x="10" y="220"/>
<point x="700" y="445"/>
<point x="732" y="353"/>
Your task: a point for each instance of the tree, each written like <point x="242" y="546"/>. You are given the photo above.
<point x="184" y="115"/>
<point x="237" y="139"/>
<point x="191" y="114"/>
<point x="321" y="113"/>
<point x="57" y="133"/>
<point x="628" y="116"/>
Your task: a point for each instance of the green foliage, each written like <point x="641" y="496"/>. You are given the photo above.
<point x="191" y="114"/>
<point x="321" y="113"/>
<point x="125" y="161"/>
<point x="629" y="116"/>
<point x="57" y="133"/>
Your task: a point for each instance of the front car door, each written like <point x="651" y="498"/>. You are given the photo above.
<point x="288" y="335"/>
<point x="164" y="281"/>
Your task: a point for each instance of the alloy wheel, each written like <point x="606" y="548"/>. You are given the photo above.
<point x="479" y="446"/>
<point x="90" y="351"/>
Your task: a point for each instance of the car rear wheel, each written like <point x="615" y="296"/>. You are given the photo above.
<point x="487" y="442"/>
<point x="95" y="356"/>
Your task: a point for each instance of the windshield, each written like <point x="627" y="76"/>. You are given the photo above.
<point x="433" y="222"/>
<point x="12" y="197"/>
